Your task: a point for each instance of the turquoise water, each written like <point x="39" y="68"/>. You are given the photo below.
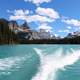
<point x="40" y="62"/>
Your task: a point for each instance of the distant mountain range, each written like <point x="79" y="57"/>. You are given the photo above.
<point x="12" y="33"/>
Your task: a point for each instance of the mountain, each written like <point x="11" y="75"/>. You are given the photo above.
<point x="12" y="33"/>
<point x="25" y="26"/>
<point x="6" y="35"/>
<point x="73" y="35"/>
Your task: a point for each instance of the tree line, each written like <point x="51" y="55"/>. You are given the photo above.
<point x="9" y="37"/>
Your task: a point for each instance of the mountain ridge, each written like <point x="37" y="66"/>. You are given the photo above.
<point x="13" y="33"/>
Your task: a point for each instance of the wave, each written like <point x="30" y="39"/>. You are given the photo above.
<point x="51" y="63"/>
<point x="7" y="65"/>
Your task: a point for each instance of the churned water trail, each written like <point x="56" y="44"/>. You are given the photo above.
<point x="51" y="63"/>
<point x="11" y="64"/>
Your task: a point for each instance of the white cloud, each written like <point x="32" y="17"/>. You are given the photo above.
<point x="9" y="11"/>
<point x="57" y="35"/>
<point x="19" y="12"/>
<point x="64" y="31"/>
<point x="73" y="22"/>
<point x="15" y="17"/>
<point x="49" y="12"/>
<point x="38" y="2"/>
<point x="45" y="27"/>
<point x="48" y="15"/>
<point x="31" y="18"/>
<point x="38" y="18"/>
<point x="69" y="27"/>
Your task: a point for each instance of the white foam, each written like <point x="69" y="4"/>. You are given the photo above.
<point x="53" y="62"/>
<point x="11" y="63"/>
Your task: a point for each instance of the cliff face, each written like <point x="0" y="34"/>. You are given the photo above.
<point x="12" y="33"/>
<point x="13" y="25"/>
<point x="25" y="26"/>
<point x="6" y="35"/>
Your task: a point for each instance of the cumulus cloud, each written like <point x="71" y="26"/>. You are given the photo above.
<point x="19" y="12"/>
<point x="31" y="18"/>
<point x="9" y="11"/>
<point x="64" y="31"/>
<point x="69" y="27"/>
<point x="49" y="12"/>
<point x="46" y="27"/>
<point x="16" y="17"/>
<point x="41" y="15"/>
<point x="38" y="18"/>
<point x="38" y="2"/>
<point x="73" y="22"/>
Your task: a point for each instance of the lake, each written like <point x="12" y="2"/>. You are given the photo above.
<point x="40" y="62"/>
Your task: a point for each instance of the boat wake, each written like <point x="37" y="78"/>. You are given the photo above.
<point x="51" y="63"/>
<point x="10" y="64"/>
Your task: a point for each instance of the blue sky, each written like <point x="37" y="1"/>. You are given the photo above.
<point x="60" y="17"/>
